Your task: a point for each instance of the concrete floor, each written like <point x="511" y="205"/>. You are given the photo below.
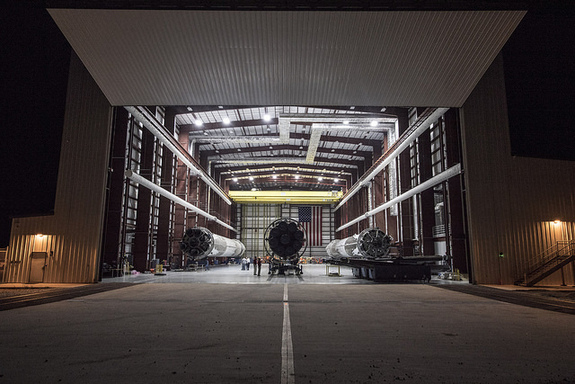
<point x="228" y="326"/>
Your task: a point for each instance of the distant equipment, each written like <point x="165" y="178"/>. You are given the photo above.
<point x="285" y="242"/>
<point x="199" y="243"/>
<point x="371" y="243"/>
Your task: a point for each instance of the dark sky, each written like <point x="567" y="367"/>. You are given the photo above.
<point x="540" y="81"/>
<point x="34" y="59"/>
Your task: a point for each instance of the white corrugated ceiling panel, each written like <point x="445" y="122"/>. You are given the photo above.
<point x="153" y="57"/>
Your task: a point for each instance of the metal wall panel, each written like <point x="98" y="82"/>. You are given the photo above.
<point x="511" y="201"/>
<point x="254" y="219"/>
<point x="72" y="237"/>
<point x="286" y="58"/>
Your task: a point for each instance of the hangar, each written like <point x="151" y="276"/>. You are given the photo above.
<point x="227" y="115"/>
<point x="374" y="115"/>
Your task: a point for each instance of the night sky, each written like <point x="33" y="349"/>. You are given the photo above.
<point x="34" y="58"/>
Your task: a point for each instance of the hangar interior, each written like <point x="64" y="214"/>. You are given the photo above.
<point x="395" y="120"/>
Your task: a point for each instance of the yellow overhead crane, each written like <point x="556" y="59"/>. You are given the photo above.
<point x="287" y="197"/>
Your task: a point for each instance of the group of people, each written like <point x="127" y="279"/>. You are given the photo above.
<point x="257" y="261"/>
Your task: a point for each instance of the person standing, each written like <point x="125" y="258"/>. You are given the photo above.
<point x="259" y="265"/>
<point x="243" y="263"/>
<point x="248" y="261"/>
<point x="255" y="264"/>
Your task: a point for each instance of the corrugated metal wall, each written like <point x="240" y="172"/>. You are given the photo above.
<point x="72" y="237"/>
<point x="512" y="201"/>
<point x="258" y="58"/>
<point x="254" y="219"/>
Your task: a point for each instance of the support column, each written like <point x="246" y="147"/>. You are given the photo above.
<point x="459" y="250"/>
<point x="180" y="213"/>
<point x="113" y="222"/>
<point x="406" y="206"/>
<point x="141" y="248"/>
<point x="163" y="245"/>
<point x="427" y="200"/>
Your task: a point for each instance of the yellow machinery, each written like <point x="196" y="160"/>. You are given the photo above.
<point x="288" y="197"/>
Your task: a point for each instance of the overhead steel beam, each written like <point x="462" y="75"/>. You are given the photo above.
<point x="156" y="188"/>
<point x="154" y="126"/>
<point x="401" y="144"/>
<point x="453" y="171"/>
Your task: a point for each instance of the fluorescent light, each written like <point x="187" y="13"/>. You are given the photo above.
<point x="235" y="179"/>
<point x="226" y="120"/>
<point x="373" y="123"/>
<point x="198" y="123"/>
<point x="267" y="117"/>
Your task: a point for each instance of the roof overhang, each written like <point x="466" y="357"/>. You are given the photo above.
<point x="191" y="57"/>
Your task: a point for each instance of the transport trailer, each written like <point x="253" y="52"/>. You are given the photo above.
<point x="390" y="270"/>
<point x="368" y="254"/>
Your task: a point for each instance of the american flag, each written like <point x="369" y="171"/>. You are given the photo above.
<point x="310" y="219"/>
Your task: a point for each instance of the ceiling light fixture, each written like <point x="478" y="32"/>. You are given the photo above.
<point x="198" y="123"/>
<point x="235" y="179"/>
<point x="226" y="120"/>
<point x="373" y="123"/>
<point x="267" y="117"/>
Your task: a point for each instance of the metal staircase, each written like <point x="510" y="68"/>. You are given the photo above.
<point x="548" y="262"/>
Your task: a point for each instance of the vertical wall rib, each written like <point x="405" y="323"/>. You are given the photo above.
<point x="73" y="235"/>
<point x="511" y="201"/>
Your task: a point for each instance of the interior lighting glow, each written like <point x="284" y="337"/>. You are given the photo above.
<point x="198" y="123"/>
<point x="275" y="176"/>
<point x="373" y="123"/>
<point x="267" y="117"/>
<point x="297" y="176"/>
<point x="251" y="178"/>
<point x="235" y="179"/>
<point x="557" y="222"/>
<point x="336" y="180"/>
<point x="39" y="235"/>
<point x="346" y="122"/>
<point x="320" y="178"/>
<point x="226" y="120"/>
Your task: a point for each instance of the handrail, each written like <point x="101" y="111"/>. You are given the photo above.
<point x="560" y="248"/>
